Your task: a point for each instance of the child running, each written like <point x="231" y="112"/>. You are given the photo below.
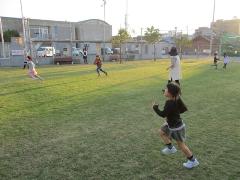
<point x="215" y="60"/>
<point x="98" y="62"/>
<point x="174" y="128"/>
<point x="32" y="71"/>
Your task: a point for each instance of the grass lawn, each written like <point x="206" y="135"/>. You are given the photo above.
<point x="75" y="125"/>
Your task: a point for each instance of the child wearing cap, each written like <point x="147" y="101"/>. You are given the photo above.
<point x="174" y="128"/>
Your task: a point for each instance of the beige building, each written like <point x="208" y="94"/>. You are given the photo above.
<point x="226" y="26"/>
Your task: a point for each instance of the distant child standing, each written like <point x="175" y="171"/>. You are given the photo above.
<point x="32" y="71"/>
<point x="175" y="67"/>
<point x="225" y="60"/>
<point x="98" y="62"/>
<point x="174" y="128"/>
<point x="85" y="56"/>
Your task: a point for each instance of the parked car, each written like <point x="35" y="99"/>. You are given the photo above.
<point x="108" y="51"/>
<point x="116" y="54"/>
<point x="76" y="51"/>
<point x="45" y="51"/>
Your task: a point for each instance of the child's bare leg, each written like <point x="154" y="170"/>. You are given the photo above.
<point x="192" y="161"/>
<point x="164" y="137"/>
<point x="39" y="77"/>
<point x="186" y="151"/>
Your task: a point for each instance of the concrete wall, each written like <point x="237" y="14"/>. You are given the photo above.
<point x="12" y="24"/>
<point x="93" y="30"/>
<point x="137" y="50"/>
<point x="18" y="61"/>
<point x="6" y="49"/>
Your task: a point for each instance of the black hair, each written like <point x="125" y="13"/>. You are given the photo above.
<point x="29" y="57"/>
<point x="175" y="90"/>
<point x="173" y="51"/>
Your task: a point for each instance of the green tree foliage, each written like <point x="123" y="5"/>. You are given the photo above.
<point x="8" y="34"/>
<point x="118" y="40"/>
<point x="183" y="42"/>
<point x="152" y="36"/>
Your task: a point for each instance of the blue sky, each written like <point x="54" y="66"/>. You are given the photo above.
<point x="162" y="14"/>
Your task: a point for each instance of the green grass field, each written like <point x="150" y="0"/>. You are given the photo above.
<point x="75" y="125"/>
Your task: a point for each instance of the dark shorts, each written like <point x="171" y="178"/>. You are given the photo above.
<point x="178" y="135"/>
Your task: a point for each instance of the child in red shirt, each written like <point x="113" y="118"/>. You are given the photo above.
<point x="98" y="62"/>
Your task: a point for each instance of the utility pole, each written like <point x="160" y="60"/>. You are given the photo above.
<point x="126" y="16"/>
<point x="104" y="4"/>
<point x="70" y="27"/>
<point x="24" y="33"/>
<point x="175" y="32"/>
<point x="181" y="45"/>
<point x="141" y="41"/>
<point x="1" y="30"/>
<point x="29" y="38"/>
<point x="211" y="40"/>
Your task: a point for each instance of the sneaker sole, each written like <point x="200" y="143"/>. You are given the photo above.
<point x="168" y="153"/>
<point x="191" y="167"/>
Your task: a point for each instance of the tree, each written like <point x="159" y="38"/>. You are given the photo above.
<point x="152" y="36"/>
<point x="8" y="34"/>
<point x="183" y="42"/>
<point x="118" y="40"/>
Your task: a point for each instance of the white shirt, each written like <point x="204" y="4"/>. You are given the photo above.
<point x="175" y="72"/>
<point x="31" y="65"/>
<point x="226" y="60"/>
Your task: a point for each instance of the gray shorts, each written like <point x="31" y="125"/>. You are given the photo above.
<point x="178" y="135"/>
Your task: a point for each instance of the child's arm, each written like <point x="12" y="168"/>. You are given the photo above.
<point x="162" y="113"/>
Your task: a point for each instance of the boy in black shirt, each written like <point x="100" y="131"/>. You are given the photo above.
<point x="174" y="128"/>
<point x="215" y="60"/>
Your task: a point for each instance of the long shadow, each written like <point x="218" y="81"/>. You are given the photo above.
<point x="84" y="96"/>
<point x="59" y="74"/>
<point x="35" y="88"/>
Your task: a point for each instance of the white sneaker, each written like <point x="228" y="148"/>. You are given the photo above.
<point x="166" y="150"/>
<point x="190" y="164"/>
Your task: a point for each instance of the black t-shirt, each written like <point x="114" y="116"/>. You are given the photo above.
<point x="172" y="111"/>
<point x="84" y="53"/>
<point x="215" y="59"/>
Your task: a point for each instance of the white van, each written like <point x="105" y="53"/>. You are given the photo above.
<point x="45" y="51"/>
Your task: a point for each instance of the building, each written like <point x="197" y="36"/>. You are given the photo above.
<point x="92" y="34"/>
<point x="226" y="26"/>
<point x="201" y="45"/>
<point x="203" y="31"/>
<point x="137" y="48"/>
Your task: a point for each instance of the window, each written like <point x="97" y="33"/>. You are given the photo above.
<point x="39" y="32"/>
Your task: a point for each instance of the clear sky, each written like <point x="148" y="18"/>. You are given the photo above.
<point x="162" y="14"/>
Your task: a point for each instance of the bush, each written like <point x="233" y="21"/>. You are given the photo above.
<point x="8" y="34"/>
